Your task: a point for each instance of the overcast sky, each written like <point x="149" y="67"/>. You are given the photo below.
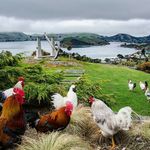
<point x="106" y="17"/>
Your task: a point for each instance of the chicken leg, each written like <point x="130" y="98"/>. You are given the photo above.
<point x="113" y="144"/>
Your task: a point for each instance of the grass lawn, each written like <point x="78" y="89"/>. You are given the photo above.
<point x="114" y="80"/>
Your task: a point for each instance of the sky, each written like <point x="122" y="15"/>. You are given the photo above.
<point x="105" y="17"/>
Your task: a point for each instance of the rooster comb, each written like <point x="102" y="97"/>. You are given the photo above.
<point x="21" y="79"/>
<point x="91" y="99"/>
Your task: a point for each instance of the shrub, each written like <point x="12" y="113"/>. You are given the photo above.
<point x="35" y="69"/>
<point x="85" y="89"/>
<point x="129" y="63"/>
<point x="40" y="94"/>
<point x="144" y="67"/>
<point x="39" y="85"/>
<point x="79" y="57"/>
<point x="9" y="76"/>
<point x="7" y="59"/>
<point x="36" y="74"/>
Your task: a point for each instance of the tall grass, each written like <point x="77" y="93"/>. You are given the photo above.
<point x="83" y="126"/>
<point x="55" y="141"/>
<point x="83" y="134"/>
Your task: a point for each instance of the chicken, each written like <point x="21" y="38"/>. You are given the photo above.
<point x="109" y="122"/>
<point x="143" y="86"/>
<point x="12" y="122"/>
<point x="56" y="120"/>
<point x="131" y="85"/>
<point x="59" y="101"/>
<point x="9" y="92"/>
<point x="147" y="94"/>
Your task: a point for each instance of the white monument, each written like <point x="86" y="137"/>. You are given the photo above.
<point x="55" y="47"/>
<point x="38" y="51"/>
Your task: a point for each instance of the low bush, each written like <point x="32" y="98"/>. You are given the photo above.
<point x="85" y="89"/>
<point x="144" y="67"/>
<point x="36" y="74"/>
<point x="7" y="59"/>
<point x="129" y="63"/>
<point x="40" y="85"/>
<point x="40" y="94"/>
<point x="9" y="76"/>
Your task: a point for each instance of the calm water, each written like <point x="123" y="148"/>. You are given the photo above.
<point x="102" y="52"/>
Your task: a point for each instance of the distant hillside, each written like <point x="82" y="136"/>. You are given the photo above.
<point x="127" y="38"/>
<point x="84" y="39"/>
<point x="145" y="46"/>
<point x="75" y="38"/>
<point x="13" y="36"/>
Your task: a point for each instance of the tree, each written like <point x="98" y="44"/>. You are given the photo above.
<point x="120" y="56"/>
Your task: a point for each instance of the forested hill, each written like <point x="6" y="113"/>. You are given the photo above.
<point x="127" y="38"/>
<point x="75" y="38"/>
<point x="13" y="36"/>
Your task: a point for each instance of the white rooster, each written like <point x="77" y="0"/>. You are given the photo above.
<point x="131" y="85"/>
<point x="60" y="101"/>
<point x="147" y="94"/>
<point x="109" y="122"/>
<point x="9" y="92"/>
<point x="143" y="86"/>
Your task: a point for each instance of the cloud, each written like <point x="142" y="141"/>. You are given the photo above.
<point x="106" y="17"/>
<point x="137" y="27"/>
<point x="75" y="9"/>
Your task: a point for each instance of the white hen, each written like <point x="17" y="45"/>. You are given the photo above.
<point x="60" y="101"/>
<point x="147" y="94"/>
<point x="109" y="122"/>
<point x="131" y="85"/>
<point x="143" y="86"/>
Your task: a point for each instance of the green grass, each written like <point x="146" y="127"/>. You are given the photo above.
<point x="114" y="80"/>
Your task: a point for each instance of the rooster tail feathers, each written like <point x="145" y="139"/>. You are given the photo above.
<point x="124" y="118"/>
<point x="57" y="100"/>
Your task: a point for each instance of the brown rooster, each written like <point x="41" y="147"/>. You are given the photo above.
<point x="56" y="120"/>
<point x="12" y="122"/>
